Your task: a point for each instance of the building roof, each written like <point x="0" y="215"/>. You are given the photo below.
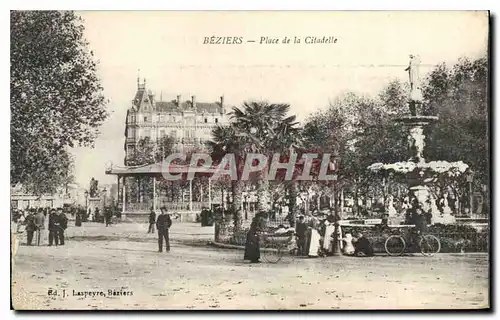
<point x="171" y="106"/>
<point x="154" y="169"/>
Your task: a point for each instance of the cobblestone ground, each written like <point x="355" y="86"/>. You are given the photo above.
<point x="124" y="258"/>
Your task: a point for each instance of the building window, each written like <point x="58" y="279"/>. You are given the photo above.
<point x="162" y="118"/>
<point x="130" y="151"/>
<point x="173" y="133"/>
<point x="131" y="133"/>
<point x="206" y="120"/>
<point x="146" y="133"/>
<point x="162" y="133"/>
<point x="146" y="119"/>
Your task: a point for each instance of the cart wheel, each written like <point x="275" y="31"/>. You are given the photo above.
<point x="272" y="253"/>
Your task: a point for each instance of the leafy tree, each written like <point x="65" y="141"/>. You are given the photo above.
<point x="56" y="96"/>
<point x="459" y="96"/>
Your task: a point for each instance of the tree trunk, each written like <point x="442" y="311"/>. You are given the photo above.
<point x="263" y="196"/>
<point x="292" y="202"/>
<point x="236" y="204"/>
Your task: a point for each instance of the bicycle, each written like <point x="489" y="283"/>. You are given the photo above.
<point x="428" y="244"/>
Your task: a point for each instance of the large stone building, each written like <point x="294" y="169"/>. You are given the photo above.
<point x="189" y="122"/>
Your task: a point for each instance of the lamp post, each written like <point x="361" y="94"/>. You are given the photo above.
<point x="470" y="178"/>
<point x="104" y="197"/>
<point x="86" y="200"/>
<point x="86" y="205"/>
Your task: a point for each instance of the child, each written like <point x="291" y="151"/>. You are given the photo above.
<point x="349" y="247"/>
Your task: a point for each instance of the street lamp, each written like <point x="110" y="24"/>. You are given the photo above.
<point x="470" y="178"/>
<point x="86" y="200"/>
<point x="104" y="191"/>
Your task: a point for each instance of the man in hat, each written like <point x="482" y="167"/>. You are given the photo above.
<point x="30" y="226"/>
<point x="163" y="223"/>
<point x="63" y="224"/>
<point x="300" y="231"/>
<point x="39" y="224"/>
<point x="152" y="220"/>
<point x="53" y="227"/>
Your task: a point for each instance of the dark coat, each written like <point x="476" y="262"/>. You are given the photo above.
<point x="63" y="221"/>
<point x="152" y="217"/>
<point x="163" y="222"/>
<point x="30" y="223"/>
<point x="363" y="245"/>
<point x="252" y="246"/>
<point x="53" y="222"/>
<point x="301" y="229"/>
<point x="421" y="223"/>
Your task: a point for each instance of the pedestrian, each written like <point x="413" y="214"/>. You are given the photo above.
<point x="163" y="223"/>
<point x="107" y="216"/>
<point x="300" y="231"/>
<point x="252" y="244"/>
<point x="152" y="221"/>
<point x="30" y="226"/>
<point x="39" y="224"/>
<point x="63" y="224"/>
<point x="349" y="247"/>
<point x="78" y="218"/>
<point x="362" y="246"/>
<point x="20" y="220"/>
<point x="53" y="228"/>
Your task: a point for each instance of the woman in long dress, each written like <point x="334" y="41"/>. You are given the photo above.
<point x="252" y="244"/>
<point x="329" y="232"/>
<point x="314" y="244"/>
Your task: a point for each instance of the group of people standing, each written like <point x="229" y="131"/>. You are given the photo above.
<point x="313" y="237"/>
<point x="35" y="224"/>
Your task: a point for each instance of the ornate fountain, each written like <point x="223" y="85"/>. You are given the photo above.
<point x="416" y="171"/>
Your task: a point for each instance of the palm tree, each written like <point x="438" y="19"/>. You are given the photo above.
<point x="265" y="129"/>
<point x="224" y="141"/>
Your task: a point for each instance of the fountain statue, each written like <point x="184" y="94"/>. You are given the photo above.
<point x="417" y="172"/>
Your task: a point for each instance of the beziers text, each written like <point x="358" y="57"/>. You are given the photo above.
<point x="222" y="40"/>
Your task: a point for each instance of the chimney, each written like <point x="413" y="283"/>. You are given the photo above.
<point x="221" y="101"/>
<point x="193" y="102"/>
<point x="178" y="100"/>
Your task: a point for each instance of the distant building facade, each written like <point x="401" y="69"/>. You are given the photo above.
<point x="188" y="122"/>
<point x="71" y="195"/>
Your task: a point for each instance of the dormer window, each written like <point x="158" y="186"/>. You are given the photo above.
<point x="206" y="120"/>
<point x="216" y="120"/>
<point x="145" y="119"/>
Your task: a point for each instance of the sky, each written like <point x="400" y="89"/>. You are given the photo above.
<point x="372" y="48"/>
